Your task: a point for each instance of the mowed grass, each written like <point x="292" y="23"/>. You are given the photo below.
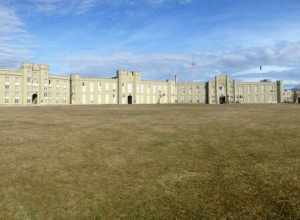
<point x="150" y="162"/>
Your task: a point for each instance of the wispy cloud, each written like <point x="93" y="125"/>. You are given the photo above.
<point x="15" y="41"/>
<point x="265" y="69"/>
<point x="83" y="6"/>
<point x="277" y="62"/>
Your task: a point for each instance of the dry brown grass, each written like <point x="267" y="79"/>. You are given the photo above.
<point x="150" y="162"/>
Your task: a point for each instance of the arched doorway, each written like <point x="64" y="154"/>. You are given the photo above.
<point x="34" y="98"/>
<point x="298" y="100"/>
<point x="222" y="100"/>
<point x="129" y="101"/>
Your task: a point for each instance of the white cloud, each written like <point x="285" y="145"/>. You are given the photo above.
<point x="277" y="63"/>
<point x="15" y="41"/>
<point x="264" y="69"/>
<point x="83" y="6"/>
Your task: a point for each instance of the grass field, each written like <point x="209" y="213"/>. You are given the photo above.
<point x="150" y="162"/>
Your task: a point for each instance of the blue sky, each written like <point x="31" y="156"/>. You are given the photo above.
<point x="196" y="39"/>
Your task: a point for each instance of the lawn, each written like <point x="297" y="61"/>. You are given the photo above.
<point x="150" y="162"/>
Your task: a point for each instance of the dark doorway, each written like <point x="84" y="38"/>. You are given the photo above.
<point x="34" y="98"/>
<point x="222" y="100"/>
<point x="130" y="100"/>
<point x="298" y="100"/>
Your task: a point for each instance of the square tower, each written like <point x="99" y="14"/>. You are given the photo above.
<point x="35" y="82"/>
<point x="127" y="82"/>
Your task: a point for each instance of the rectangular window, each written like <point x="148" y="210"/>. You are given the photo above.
<point x="154" y="100"/>
<point x="114" y="99"/>
<point x="91" y="87"/>
<point x="154" y="89"/>
<point x="83" y="99"/>
<point x="106" y="86"/>
<point x="106" y="99"/>
<point x="99" y="99"/>
<point x="129" y="87"/>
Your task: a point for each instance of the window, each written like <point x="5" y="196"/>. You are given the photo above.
<point x="91" y="87"/>
<point x="6" y="100"/>
<point x="106" y="86"/>
<point x="16" y="100"/>
<point x="6" y="86"/>
<point x="82" y="83"/>
<point x="83" y="99"/>
<point x="154" y="89"/>
<point x="129" y="86"/>
<point x="49" y="82"/>
<point x="106" y="99"/>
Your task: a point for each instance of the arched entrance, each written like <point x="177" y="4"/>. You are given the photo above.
<point x="129" y="101"/>
<point x="34" y="98"/>
<point x="298" y="100"/>
<point x="222" y="100"/>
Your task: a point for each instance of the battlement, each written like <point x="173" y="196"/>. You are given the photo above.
<point x="35" y="67"/>
<point x="128" y="74"/>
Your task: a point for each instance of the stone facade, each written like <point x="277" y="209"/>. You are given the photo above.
<point x="296" y="95"/>
<point x="32" y="84"/>
<point x="288" y="96"/>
